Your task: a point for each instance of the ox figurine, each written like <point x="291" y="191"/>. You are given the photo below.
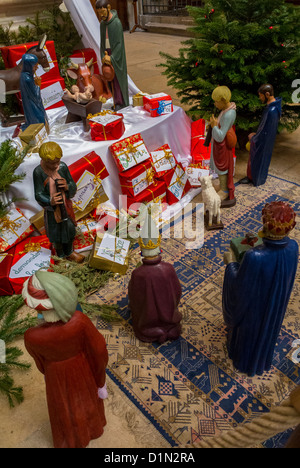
<point x="83" y="74"/>
<point x="212" y="204"/>
<point x="11" y="76"/>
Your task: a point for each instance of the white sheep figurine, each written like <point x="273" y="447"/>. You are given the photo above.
<point x="211" y="200"/>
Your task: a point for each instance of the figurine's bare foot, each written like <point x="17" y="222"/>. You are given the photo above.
<point x="227" y="203"/>
<point x="76" y="257"/>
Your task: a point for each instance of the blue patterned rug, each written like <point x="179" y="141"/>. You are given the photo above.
<point x="188" y="389"/>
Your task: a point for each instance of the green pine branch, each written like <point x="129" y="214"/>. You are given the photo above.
<point x="239" y="44"/>
<point x="11" y="328"/>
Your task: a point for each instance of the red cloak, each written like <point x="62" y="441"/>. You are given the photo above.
<point x="73" y="358"/>
<point x="223" y="158"/>
<point x="154" y="294"/>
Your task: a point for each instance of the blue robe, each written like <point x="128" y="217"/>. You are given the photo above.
<point x="262" y="143"/>
<point x="33" y="107"/>
<point x="255" y="297"/>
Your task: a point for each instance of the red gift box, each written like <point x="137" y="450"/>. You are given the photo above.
<point x="163" y="160"/>
<point x="110" y="131"/>
<point x="86" y="234"/>
<point x="6" y="260"/>
<point x="13" y="54"/>
<point x="29" y="256"/>
<point x="158" y="104"/>
<point x="138" y="178"/>
<point x="152" y="194"/>
<point x="88" y="174"/>
<point x="107" y="218"/>
<point x="129" y="152"/>
<point x="177" y="184"/>
<point x="199" y="152"/>
<point x="85" y="55"/>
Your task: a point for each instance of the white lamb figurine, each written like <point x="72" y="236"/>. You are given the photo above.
<point x="211" y="200"/>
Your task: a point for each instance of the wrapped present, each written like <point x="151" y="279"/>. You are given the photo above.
<point x="152" y="194"/>
<point x="158" y="104"/>
<point x="129" y="152"/>
<point x="6" y="259"/>
<point x="85" y="56"/>
<point x="30" y="255"/>
<point x="106" y="125"/>
<point x="86" y="232"/>
<point x="177" y="184"/>
<point x="88" y="173"/>
<point x="110" y="253"/>
<point x="14" y="227"/>
<point x="241" y="245"/>
<point x="194" y="173"/>
<point x="52" y="93"/>
<point x="138" y="99"/>
<point x="12" y="55"/>
<point x="199" y="152"/>
<point x="34" y="135"/>
<point x="163" y="160"/>
<point x="138" y="178"/>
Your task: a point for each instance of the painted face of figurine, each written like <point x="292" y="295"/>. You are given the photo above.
<point x="263" y="97"/>
<point x="221" y="105"/>
<point x="51" y="164"/>
<point x="104" y="13"/>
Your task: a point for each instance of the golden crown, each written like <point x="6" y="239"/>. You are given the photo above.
<point x="151" y="245"/>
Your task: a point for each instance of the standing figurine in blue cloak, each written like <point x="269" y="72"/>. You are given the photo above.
<point x="256" y="292"/>
<point x="262" y="142"/>
<point x="34" y="110"/>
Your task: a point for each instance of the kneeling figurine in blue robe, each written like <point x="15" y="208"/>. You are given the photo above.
<point x="256" y="292"/>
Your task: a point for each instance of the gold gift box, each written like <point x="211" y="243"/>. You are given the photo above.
<point x="101" y="263"/>
<point x="38" y="221"/>
<point x="33" y="135"/>
<point x="138" y="99"/>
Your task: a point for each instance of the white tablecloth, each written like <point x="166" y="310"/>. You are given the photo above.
<point x="174" y="129"/>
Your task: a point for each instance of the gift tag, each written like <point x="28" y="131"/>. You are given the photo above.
<point x="194" y="174"/>
<point x="161" y="161"/>
<point x="105" y="119"/>
<point x="52" y="94"/>
<point x="86" y="190"/>
<point x="178" y="182"/>
<point x="30" y="263"/>
<point x="114" y="249"/>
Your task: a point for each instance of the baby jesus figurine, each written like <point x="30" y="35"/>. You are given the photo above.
<point x="81" y="98"/>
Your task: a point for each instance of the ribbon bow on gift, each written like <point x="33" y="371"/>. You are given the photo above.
<point x="33" y="247"/>
<point x="7" y="224"/>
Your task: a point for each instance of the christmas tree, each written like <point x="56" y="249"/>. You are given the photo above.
<point x="242" y="45"/>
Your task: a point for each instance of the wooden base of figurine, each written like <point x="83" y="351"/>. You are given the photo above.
<point x="215" y="225"/>
<point x="79" y="112"/>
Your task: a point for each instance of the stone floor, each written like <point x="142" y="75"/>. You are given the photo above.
<point x="27" y="425"/>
